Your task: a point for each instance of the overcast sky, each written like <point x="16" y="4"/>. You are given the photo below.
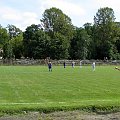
<point x="23" y="13"/>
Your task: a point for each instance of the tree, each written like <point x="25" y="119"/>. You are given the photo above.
<point x="104" y="27"/>
<point x="80" y="44"/>
<point x="3" y="38"/>
<point x="13" y="47"/>
<point x="59" y="47"/>
<point x="36" y="43"/>
<point x="89" y="28"/>
<point x="58" y="25"/>
<point x="117" y="41"/>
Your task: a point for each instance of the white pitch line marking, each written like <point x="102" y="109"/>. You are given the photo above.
<point x="26" y="103"/>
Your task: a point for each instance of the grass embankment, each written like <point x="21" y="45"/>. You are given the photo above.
<point x="31" y="88"/>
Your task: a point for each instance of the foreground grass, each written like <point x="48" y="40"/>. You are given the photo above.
<point x="25" y="88"/>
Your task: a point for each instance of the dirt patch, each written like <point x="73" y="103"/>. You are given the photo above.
<point x="71" y="115"/>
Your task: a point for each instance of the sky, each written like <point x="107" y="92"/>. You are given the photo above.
<point x="23" y="13"/>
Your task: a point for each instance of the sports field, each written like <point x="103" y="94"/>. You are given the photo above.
<point x="35" y="88"/>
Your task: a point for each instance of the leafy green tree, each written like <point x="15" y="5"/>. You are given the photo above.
<point x="104" y="22"/>
<point x="13" y="47"/>
<point x="89" y="28"/>
<point x="58" y="26"/>
<point x="59" y="47"/>
<point x="3" y="36"/>
<point x="116" y="44"/>
<point x="36" y="43"/>
<point x="80" y="44"/>
<point x="54" y="20"/>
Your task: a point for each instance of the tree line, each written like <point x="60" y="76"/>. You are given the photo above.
<point x="56" y="37"/>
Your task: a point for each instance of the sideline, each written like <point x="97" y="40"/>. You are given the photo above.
<point x="37" y="103"/>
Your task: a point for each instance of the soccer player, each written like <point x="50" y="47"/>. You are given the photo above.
<point x="80" y="64"/>
<point x="93" y="66"/>
<point x="50" y="66"/>
<point x="64" y="64"/>
<point x="73" y="64"/>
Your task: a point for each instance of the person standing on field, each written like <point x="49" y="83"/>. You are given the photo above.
<point x="73" y="64"/>
<point x="93" y="66"/>
<point x="50" y="66"/>
<point x="80" y="64"/>
<point x="64" y="64"/>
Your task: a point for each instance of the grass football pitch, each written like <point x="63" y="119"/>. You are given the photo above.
<point x="34" y="87"/>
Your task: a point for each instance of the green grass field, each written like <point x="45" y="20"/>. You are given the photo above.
<point x="34" y="88"/>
